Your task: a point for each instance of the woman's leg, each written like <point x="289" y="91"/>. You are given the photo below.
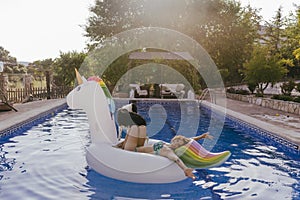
<point x="145" y="149"/>
<point x="142" y="136"/>
<point x="169" y="153"/>
<point x="131" y="139"/>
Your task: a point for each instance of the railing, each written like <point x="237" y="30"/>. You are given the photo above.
<point x="19" y="94"/>
<point x="202" y="95"/>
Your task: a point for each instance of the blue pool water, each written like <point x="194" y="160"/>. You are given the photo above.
<point x="48" y="162"/>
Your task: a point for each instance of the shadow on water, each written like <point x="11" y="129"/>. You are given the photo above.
<point x="106" y="188"/>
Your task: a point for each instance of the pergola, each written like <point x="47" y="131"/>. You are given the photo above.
<point x="158" y="56"/>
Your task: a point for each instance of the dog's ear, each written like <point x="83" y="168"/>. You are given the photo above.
<point x="137" y="119"/>
<point x="123" y="117"/>
<point x="134" y="108"/>
<point x="126" y="118"/>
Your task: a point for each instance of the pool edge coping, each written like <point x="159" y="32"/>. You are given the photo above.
<point x="270" y="130"/>
<point x="33" y="120"/>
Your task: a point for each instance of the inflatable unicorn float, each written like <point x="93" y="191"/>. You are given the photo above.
<point x="94" y="98"/>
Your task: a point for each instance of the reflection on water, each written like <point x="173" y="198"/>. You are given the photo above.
<point x="48" y="162"/>
<point x="114" y="189"/>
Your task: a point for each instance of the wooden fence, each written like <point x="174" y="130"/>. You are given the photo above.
<point x="20" y="94"/>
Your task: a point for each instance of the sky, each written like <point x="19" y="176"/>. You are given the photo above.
<point x="39" y="29"/>
<point x="269" y="7"/>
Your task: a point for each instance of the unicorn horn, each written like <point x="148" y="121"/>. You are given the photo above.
<point x="78" y="77"/>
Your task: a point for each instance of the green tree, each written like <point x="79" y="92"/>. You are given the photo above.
<point x="274" y="33"/>
<point x="290" y="44"/>
<point x="296" y="53"/>
<point x="39" y="68"/>
<point x="263" y="69"/>
<point x="8" y="60"/>
<point x="287" y="87"/>
<point x="43" y="65"/>
<point x="251" y="87"/>
<point x="64" y="65"/>
<point x="19" y="69"/>
<point x="297" y="87"/>
<point x="229" y="36"/>
<point x="8" y="69"/>
<point x="6" y="57"/>
<point x="224" y="28"/>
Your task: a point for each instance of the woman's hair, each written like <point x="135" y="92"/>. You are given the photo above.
<point x="181" y="137"/>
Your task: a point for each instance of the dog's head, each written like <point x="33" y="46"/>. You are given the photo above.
<point x="127" y="116"/>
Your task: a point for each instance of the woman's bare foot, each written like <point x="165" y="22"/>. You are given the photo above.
<point x="189" y="173"/>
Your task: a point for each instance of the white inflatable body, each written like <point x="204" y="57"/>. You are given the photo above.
<point x="108" y="160"/>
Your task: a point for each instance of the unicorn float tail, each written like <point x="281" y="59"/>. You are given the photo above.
<point x="195" y="156"/>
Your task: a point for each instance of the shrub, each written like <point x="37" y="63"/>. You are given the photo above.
<point x="252" y="87"/>
<point x="259" y="95"/>
<point x="242" y="92"/>
<point x="287" y="88"/>
<point x="297" y="87"/>
<point x="231" y="90"/>
<point x="297" y="99"/>
<point x="237" y="91"/>
<point x="283" y="97"/>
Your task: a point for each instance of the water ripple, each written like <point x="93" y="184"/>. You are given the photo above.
<point x="48" y="162"/>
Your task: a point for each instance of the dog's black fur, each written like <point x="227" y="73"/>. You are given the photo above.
<point x="128" y="116"/>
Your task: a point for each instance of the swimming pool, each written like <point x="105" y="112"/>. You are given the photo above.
<point x="48" y="162"/>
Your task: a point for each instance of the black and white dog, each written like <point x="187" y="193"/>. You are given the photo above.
<point x="127" y="116"/>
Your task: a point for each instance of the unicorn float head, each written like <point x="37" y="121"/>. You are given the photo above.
<point x="94" y="98"/>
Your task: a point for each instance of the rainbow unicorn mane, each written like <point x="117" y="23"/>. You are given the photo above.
<point x="106" y="92"/>
<point x="196" y="156"/>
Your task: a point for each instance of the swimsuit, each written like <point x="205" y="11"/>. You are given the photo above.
<point x="157" y="147"/>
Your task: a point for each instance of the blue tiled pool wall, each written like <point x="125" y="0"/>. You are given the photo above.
<point x="174" y="106"/>
<point x="267" y="137"/>
<point x="27" y="124"/>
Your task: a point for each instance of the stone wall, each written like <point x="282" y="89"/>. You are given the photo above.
<point x="286" y="106"/>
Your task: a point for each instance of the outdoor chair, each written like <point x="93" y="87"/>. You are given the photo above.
<point x="179" y="92"/>
<point x="141" y="92"/>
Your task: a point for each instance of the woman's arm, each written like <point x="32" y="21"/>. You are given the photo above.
<point x="169" y="153"/>
<point x="204" y="135"/>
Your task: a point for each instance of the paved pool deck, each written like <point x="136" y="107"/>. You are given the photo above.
<point x="280" y="123"/>
<point x="27" y="111"/>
